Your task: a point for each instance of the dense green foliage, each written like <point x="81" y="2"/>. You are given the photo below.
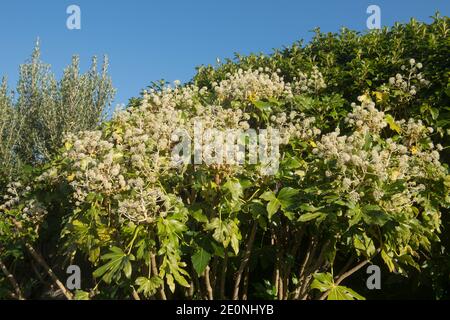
<point x="355" y="64"/>
<point x="362" y="178"/>
<point x="34" y="120"/>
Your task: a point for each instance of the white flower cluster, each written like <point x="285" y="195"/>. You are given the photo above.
<point x="416" y="131"/>
<point x="31" y="209"/>
<point x="412" y="81"/>
<point x="12" y="196"/>
<point x="294" y="126"/>
<point x="312" y="83"/>
<point x="126" y="160"/>
<point x="252" y="84"/>
<point x="142" y="208"/>
<point x="108" y="166"/>
<point x="362" y="160"/>
<point x="366" y="117"/>
<point x="174" y="96"/>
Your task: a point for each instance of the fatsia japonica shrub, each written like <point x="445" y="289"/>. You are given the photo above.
<point x="163" y="202"/>
<point x="147" y="225"/>
<point x="378" y="64"/>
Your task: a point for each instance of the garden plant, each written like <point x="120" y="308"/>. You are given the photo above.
<point x="361" y="178"/>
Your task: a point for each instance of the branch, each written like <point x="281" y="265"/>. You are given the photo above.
<point x="12" y="280"/>
<point x="39" y="259"/>
<point x="244" y="262"/>
<point x="49" y="271"/>
<point x="246" y="281"/>
<point x="344" y="276"/>
<point x="311" y="269"/>
<point x="302" y="278"/>
<point x="351" y="271"/>
<point x="135" y="295"/>
<point x="346" y="266"/>
<point x="297" y="242"/>
<point x="223" y="276"/>
<point x="209" y="289"/>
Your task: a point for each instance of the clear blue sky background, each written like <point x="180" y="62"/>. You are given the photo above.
<point x="150" y="40"/>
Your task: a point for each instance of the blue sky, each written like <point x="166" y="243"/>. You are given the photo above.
<point x="150" y="40"/>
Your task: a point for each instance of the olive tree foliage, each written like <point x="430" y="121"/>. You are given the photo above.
<point x="9" y="123"/>
<point x="35" y="122"/>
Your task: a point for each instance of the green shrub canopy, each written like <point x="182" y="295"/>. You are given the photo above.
<point x="356" y="132"/>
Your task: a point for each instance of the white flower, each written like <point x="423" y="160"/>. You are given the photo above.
<point x="174" y="138"/>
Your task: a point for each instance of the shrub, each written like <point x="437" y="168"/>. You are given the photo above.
<point x="358" y="177"/>
<point x="8" y="137"/>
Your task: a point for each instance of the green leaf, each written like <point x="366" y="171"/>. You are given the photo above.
<point x="170" y="282"/>
<point x="199" y="216"/>
<point x="322" y="281"/>
<point x="363" y="244"/>
<point x="407" y="259"/>
<point x="235" y="242"/>
<point x="234" y="187"/>
<point x="307" y="207"/>
<point x="284" y="200"/>
<point x="392" y="124"/>
<point x="311" y="216"/>
<point x="264" y="106"/>
<point x="118" y="262"/>
<point x="200" y="260"/>
<point x="288" y="214"/>
<point x="81" y="295"/>
<point x="148" y="286"/>
<point x="272" y="207"/>
<point x="434" y="113"/>
<point x="343" y="293"/>
<point x="374" y="215"/>
<point x="181" y="280"/>
<point x="355" y="214"/>
<point x="127" y="269"/>
<point x="225" y="232"/>
<point x="286" y="197"/>
<point x="388" y="260"/>
<point x="94" y="254"/>
<point x="268" y="196"/>
<point x="274" y="101"/>
<point x="174" y="225"/>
